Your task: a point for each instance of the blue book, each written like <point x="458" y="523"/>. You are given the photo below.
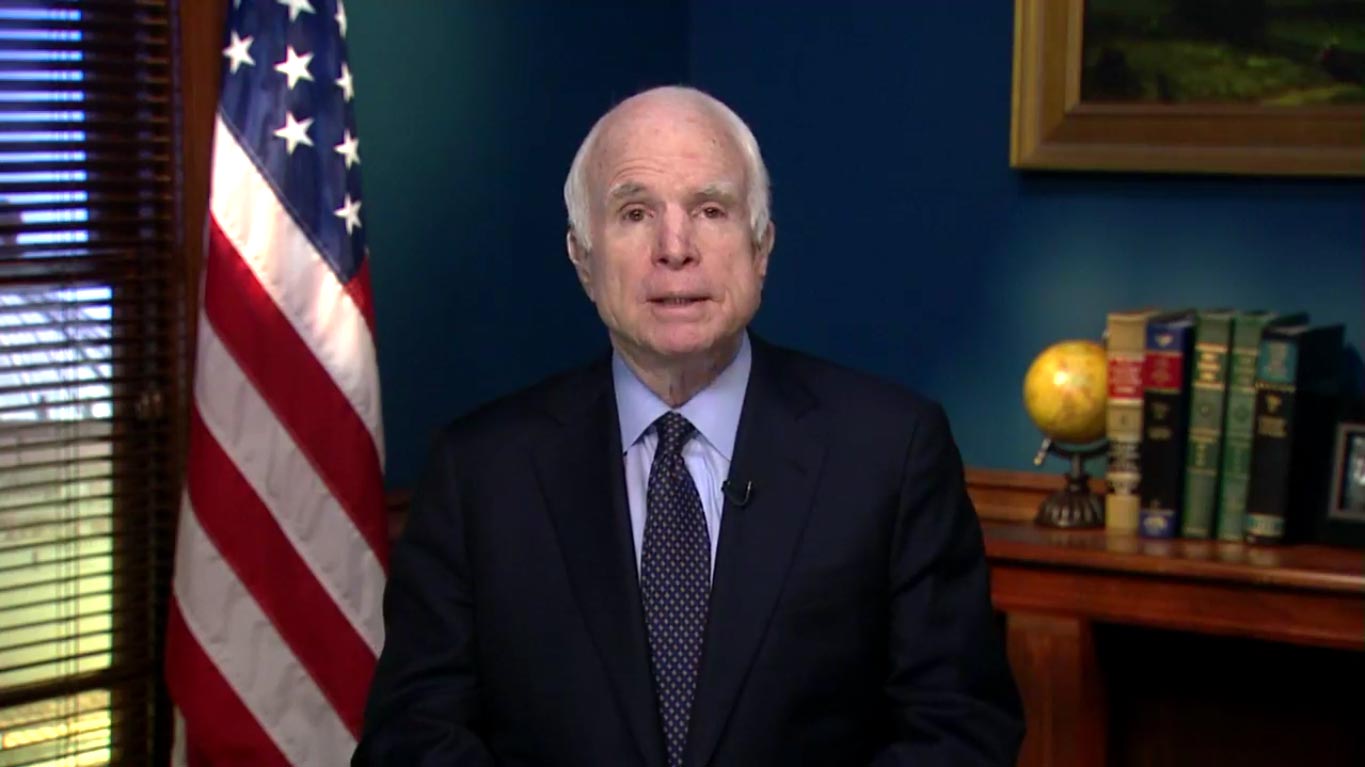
<point x="1166" y="369"/>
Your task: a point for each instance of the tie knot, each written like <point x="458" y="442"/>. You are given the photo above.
<point x="674" y="430"/>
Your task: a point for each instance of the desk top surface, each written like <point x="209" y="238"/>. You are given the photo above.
<point x="1317" y="568"/>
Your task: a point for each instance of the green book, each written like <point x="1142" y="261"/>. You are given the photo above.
<point x="1212" y="340"/>
<point x="1239" y="417"/>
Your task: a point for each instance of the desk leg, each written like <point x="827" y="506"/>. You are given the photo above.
<point x="1053" y="658"/>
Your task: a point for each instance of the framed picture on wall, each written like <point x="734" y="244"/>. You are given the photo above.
<point x="1216" y="86"/>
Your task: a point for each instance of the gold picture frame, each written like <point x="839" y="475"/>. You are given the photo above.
<point x="1052" y="129"/>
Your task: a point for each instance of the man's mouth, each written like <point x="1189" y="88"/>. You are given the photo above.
<point x="677" y="300"/>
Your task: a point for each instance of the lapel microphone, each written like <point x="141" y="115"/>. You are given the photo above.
<point x="738" y="497"/>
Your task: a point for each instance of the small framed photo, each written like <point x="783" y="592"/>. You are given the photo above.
<point x="1348" y="474"/>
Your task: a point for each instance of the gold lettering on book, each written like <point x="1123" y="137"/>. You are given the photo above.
<point x="1271" y="426"/>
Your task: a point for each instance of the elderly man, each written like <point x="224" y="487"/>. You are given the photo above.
<point x="702" y="550"/>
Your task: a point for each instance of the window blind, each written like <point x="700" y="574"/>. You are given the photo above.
<point x="91" y="376"/>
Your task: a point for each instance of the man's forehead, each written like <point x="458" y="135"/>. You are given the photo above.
<point x="626" y="170"/>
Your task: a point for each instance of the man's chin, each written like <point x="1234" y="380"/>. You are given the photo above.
<point x="690" y="347"/>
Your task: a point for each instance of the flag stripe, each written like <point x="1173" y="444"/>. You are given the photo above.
<point x="303" y="285"/>
<point x="241" y="643"/>
<point x="176" y="634"/>
<point x="300" y="507"/>
<point x="359" y="290"/>
<point x="266" y="562"/>
<point x="235" y="736"/>
<point x="299" y="391"/>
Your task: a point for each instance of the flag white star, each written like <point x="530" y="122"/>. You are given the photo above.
<point x="345" y="83"/>
<point x="294" y="66"/>
<point x="239" y="52"/>
<point x="350" y="213"/>
<point x="296" y="7"/>
<point x="341" y="17"/>
<point x="294" y="132"/>
<point x="349" y="148"/>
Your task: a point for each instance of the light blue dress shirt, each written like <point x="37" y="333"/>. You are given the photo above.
<point x="714" y="411"/>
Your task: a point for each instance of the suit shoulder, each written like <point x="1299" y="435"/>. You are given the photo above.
<point x="523" y="413"/>
<point x="879" y="427"/>
<point x="855" y="393"/>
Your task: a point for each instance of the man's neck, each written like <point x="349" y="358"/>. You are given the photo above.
<point x="678" y="380"/>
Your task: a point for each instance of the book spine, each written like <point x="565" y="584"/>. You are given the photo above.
<point x="1268" y="491"/>
<point x="1298" y="381"/>
<point x="1123" y="424"/>
<point x="1238" y="427"/>
<point x="1165" y="425"/>
<point x="1204" y="449"/>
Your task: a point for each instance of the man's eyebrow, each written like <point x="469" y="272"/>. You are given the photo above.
<point x="718" y="192"/>
<point x="632" y="190"/>
<point x="627" y="190"/>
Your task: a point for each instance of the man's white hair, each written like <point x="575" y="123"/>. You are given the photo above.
<point x="758" y="196"/>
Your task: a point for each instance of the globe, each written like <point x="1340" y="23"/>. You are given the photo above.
<point x="1066" y="391"/>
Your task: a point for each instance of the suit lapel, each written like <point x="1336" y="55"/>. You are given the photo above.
<point x="583" y="480"/>
<point x="781" y="457"/>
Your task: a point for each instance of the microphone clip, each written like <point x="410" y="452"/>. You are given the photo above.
<point x="737" y="496"/>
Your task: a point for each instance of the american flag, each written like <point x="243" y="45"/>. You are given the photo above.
<point x="275" y="619"/>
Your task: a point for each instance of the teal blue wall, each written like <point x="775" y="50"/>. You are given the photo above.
<point x="468" y="113"/>
<point x="906" y="246"/>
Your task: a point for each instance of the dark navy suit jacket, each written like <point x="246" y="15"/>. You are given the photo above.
<point x="849" y="623"/>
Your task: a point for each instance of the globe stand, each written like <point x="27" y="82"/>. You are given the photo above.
<point x="1073" y="507"/>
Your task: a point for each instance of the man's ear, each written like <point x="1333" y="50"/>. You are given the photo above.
<point x="581" y="260"/>
<point x="763" y="248"/>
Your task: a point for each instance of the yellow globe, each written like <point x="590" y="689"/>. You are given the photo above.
<point x="1066" y="391"/>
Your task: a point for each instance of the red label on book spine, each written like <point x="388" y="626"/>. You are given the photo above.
<point x="1163" y="371"/>
<point x="1125" y="377"/>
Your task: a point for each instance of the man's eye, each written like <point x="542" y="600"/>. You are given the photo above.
<point x="713" y="211"/>
<point x="634" y="214"/>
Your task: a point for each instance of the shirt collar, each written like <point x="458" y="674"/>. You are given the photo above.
<point x="714" y="410"/>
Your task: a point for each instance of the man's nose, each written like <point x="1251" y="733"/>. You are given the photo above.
<point x="675" y="239"/>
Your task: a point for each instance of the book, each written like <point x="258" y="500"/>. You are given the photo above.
<point x="1298" y="385"/>
<point x="1126" y="346"/>
<point x="1165" y="422"/>
<point x="1235" y="470"/>
<point x="1208" y="392"/>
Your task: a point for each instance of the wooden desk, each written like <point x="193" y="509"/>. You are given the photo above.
<point x="1056" y="587"/>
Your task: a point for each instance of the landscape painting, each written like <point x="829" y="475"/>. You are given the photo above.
<point x="1290" y="53"/>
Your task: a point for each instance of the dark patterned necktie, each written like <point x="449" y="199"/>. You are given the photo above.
<point x="675" y="580"/>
